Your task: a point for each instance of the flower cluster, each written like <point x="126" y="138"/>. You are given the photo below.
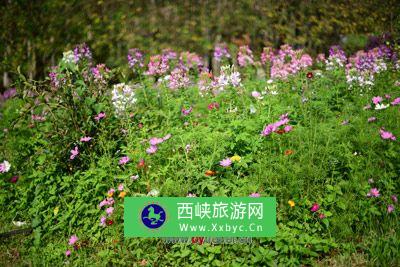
<point x="109" y="202"/>
<point x="288" y="62"/>
<point x="245" y="56"/>
<point x="100" y="73"/>
<point x="158" y="65"/>
<point x="267" y="55"/>
<point x="154" y="142"/>
<point x="190" y="60"/>
<point x="5" y="166"/>
<point x="123" y="98"/>
<point x="178" y="79"/>
<point x="228" y="76"/>
<point x="221" y="52"/>
<point x="277" y="126"/>
<point x="82" y="52"/>
<point x="337" y="58"/>
<point x="135" y="58"/>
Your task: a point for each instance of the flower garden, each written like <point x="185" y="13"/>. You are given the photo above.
<point x="318" y="133"/>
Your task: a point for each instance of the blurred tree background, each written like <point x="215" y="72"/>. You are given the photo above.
<point x="35" y="33"/>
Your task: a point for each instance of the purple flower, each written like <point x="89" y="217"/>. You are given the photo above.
<point x="225" y="162"/>
<point x="73" y="239"/>
<point x="186" y="112"/>
<point x="135" y="58"/>
<point x="315" y="207"/>
<point x="155" y="141"/>
<point x="74" y="152"/>
<point x="374" y="192"/>
<point x="245" y="56"/>
<point x="151" y="150"/>
<point x="394" y="198"/>
<point x="220" y="52"/>
<point x="390" y="208"/>
<point x="124" y="160"/>
<point x="86" y="139"/>
<point x="158" y="65"/>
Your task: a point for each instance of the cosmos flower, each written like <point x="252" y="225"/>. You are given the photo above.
<point x="390" y="208"/>
<point x="74" y="152"/>
<point x="225" y="162"/>
<point x="121" y="187"/>
<point x="396" y="101"/>
<point x="377" y="99"/>
<point x="73" y="239"/>
<point x="135" y="177"/>
<point x="86" y="139"/>
<point x="124" y="160"/>
<point x="315" y="207"/>
<point x="100" y="116"/>
<point x="109" y="211"/>
<point x="387" y="135"/>
<point x="374" y="192"/>
<point x="322" y="216"/>
<point x="151" y="150"/>
<point x="5" y="166"/>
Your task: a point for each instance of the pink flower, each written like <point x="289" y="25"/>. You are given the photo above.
<point x="73" y="240"/>
<point x="225" y="162"/>
<point x="86" y="139"/>
<point x="191" y="195"/>
<point x="396" y="101"/>
<point x="103" y="221"/>
<point x="387" y="135"/>
<point x="168" y="136"/>
<point x="186" y="112"/>
<point x="151" y="150"/>
<point x="254" y="195"/>
<point x="111" y="192"/>
<point x="155" y="141"/>
<point x="345" y="122"/>
<point x="390" y="208"/>
<point x="367" y="107"/>
<point x="322" y="216"/>
<point x="377" y="99"/>
<point x="288" y="128"/>
<point x="387" y="96"/>
<point x="371" y="119"/>
<point x="374" y="192"/>
<point x="120" y="187"/>
<point x="315" y="207"/>
<point x="68" y="253"/>
<point x="124" y="160"/>
<point x="135" y="177"/>
<point x="100" y="116"/>
<point x="394" y="198"/>
<point x="256" y="94"/>
<point x="74" y="153"/>
<point x="109" y="211"/>
<point x="14" y="179"/>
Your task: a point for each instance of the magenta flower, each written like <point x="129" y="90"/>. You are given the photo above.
<point x="387" y="135"/>
<point x="396" y="101"/>
<point x="14" y="179"/>
<point x="68" y="253"/>
<point x="371" y="119"/>
<point x="74" y="153"/>
<point x="315" y="207"/>
<point x="390" y="208"/>
<point x="86" y="139"/>
<point x="109" y="211"/>
<point x="213" y="105"/>
<point x="186" y="112"/>
<point x="151" y="150"/>
<point x="377" y="99"/>
<point x="124" y="160"/>
<point x="73" y="240"/>
<point x="120" y="187"/>
<point x="394" y="198"/>
<point x="374" y="192"/>
<point x="225" y="162"/>
<point x="254" y="195"/>
<point x="100" y="116"/>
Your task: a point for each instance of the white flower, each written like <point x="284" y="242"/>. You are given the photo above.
<point x="123" y="98"/>
<point x="274" y="92"/>
<point x="153" y="193"/>
<point x="381" y="106"/>
<point x="5" y="166"/>
<point x="270" y="81"/>
<point x="18" y="223"/>
<point x="68" y="57"/>
<point x="252" y="109"/>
